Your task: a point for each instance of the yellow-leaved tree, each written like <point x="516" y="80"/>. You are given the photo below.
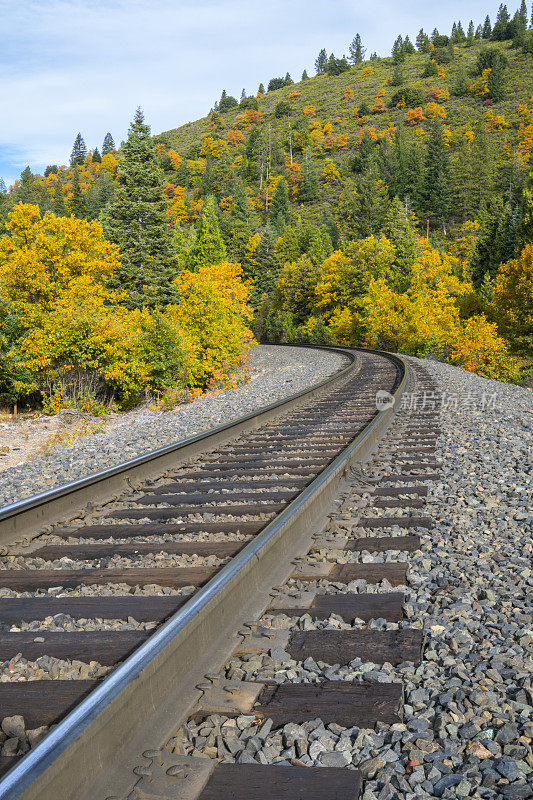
<point x="42" y="257"/>
<point x="212" y="313"/>
<point x="425" y="319"/>
<point x="73" y="340"/>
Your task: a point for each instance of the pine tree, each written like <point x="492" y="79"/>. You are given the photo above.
<point x="280" y="206"/>
<point x="408" y="46"/>
<point x="321" y="62"/>
<point x="97" y="158"/>
<point x="525" y="223"/>
<point x="243" y="94"/>
<point x="470" y="36"/>
<point x="266" y="269"/>
<point x="479" y="33"/>
<point x="460" y="34"/>
<point x="398" y="53"/>
<point x="497" y="79"/>
<point x="305" y="76"/>
<point x="79" y="151"/>
<point x="108" y="144"/>
<point x="261" y="89"/>
<point x="491" y="248"/>
<point x="241" y="208"/>
<point x="500" y="30"/>
<point x="137" y="222"/>
<point x="288" y="80"/>
<point x="208" y="248"/>
<point x="522" y="18"/>
<point x="357" y="51"/>
<point x="422" y="41"/>
<point x="437" y="177"/>
<point x="76" y="204"/>
<point x="25" y="191"/>
<point x="487" y="28"/>
<point x="58" y="205"/>
<point x="309" y="186"/>
<point x="397" y="76"/>
<point x="453" y="36"/>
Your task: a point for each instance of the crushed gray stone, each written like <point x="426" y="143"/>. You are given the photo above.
<point x="276" y="373"/>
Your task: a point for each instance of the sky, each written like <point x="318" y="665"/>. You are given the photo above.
<point x="85" y="65"/>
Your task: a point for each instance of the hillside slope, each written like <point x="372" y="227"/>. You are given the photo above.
<point x="487" y="141"/>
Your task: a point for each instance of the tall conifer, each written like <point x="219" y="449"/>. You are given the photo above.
<point x="137" y="222"/>
<point x="79" y="151"/>
<point x="208" y="248"/>
<point x="108" y="144"/>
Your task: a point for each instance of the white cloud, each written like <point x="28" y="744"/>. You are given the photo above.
<point x="84" y="65"/>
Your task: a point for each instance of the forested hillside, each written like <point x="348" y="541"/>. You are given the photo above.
<point x="384" y="201"/>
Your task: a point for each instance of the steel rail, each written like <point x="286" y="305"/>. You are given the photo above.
<point x="160" y="677"/>
<point x="19" y="518"/>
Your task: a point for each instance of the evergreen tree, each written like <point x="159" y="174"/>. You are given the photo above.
<point x="487" y="28"/>
<point x="280" y="206"/>
<point x="320" y="247"/>
<point x="470" y="36"/>
<point x="497" y="78"/>
<point x="525" y="222"/>
<point x="522" y="18"/>
<point x="330" y="226"/>
<point x="266" y="268"/>
<point x="321" y="62"/>
<point x="437" y="177"/>
<point x="137" y="222"/>
<point x="76" y="204"/>
<point x="97" y="158"/>
<point x="242" y="208"/>
<point x="108" y="144"/>
<point x="357" y="51"/>
<point x="460" y="88"/>
<point x="305" y="76"/>
<point x="3" y="190"/>
<point x="208" y="248"/>
<point x="422" y="41"/>
<point x="408" y="46"/>
<point x="479" y="33"/>
<point x="491" y="248"/>
<point x="26" y="191"/>
<point x="398" y="53"/>
<point x="243" y="95"/>
<point x="501" y="26"/>
<point x="261" y="89"/>
<point x="79" y="151"/>
<point x="180" y="243"/>
<point x="460" y="34"/>
<point x="58" y="205"/>
<point x="397" y="76"/>
<point x="309" y="186"/>
<point x="288" y="80"/>
<point x="399" y="228"/>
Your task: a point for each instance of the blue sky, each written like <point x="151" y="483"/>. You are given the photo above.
<point x="85" y="65"/>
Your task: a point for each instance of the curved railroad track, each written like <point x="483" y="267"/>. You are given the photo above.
<point x="132" y="604"/>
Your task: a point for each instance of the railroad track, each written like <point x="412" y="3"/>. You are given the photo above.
<point x="128" y="606"/>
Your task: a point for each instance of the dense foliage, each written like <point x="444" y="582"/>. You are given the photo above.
<point x="386" y="201"/>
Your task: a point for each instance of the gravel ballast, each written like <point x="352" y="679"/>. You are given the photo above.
<point x="276" y="373"/>
<point x="467" y="729"/>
